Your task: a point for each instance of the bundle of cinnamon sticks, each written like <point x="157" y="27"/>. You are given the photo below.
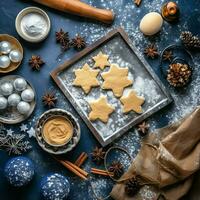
<point x="101" y="172"/>
<point x="75" y="167"/>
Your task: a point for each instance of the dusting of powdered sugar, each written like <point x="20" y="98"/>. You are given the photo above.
<point x="100" y="187"/>
<point x="147" y="193"/>
<point x="147" y="88"/>
<point x="130" y="140"/>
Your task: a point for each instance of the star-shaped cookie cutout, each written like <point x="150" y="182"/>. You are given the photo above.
<point x="101" y="109"/>
<point x="86" y="78"/>
<point x="132" y="102"/>
<point x="116" y="79"/>
<point x="101" y="60"/>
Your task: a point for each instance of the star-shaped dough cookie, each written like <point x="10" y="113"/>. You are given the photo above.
<point x="86" y="78"/>
<point x="132" y="102"/>
<point x="101" y="60"/>
<point x="116" y="79"/>
<point x="100" y="109"/>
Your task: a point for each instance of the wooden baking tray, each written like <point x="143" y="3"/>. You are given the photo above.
<point x="121" y="51"/>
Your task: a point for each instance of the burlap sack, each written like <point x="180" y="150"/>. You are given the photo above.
<point x="166" y="162"/>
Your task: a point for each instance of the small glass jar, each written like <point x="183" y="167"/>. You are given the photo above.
<point x="170" y="11"/>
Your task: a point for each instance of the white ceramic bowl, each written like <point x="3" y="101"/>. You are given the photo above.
<point x="20" y="30"/>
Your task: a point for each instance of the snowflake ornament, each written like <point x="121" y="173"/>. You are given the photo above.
<point x="9" y="132"/>
<point x="31" y="132"/>
<point x="14" y="144"/>
<point x="23" y="128"/>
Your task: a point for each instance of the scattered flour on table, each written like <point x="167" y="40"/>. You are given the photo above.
<point x="101" y="186"/>
<point x="147" y="194"/>
<point x="147" y="88"/>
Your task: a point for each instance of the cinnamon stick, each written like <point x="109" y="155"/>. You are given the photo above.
<point x="101" y="172"/>
<point x="77" y="168"/>
<point x="81" y="159"/>
<point x="73" y="168"/>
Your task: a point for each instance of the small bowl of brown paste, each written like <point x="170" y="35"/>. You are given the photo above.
<point x="57" y="131"/>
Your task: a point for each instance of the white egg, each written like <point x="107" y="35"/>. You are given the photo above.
<point x="23" y="108"/>
<point x="3" y="103"/>
<point x="20" y="84"/>
<point x="27" y="95"/>
<point x="14" y="99"/>
<point x="6" y="89"/>
<point x="151" y="23"/>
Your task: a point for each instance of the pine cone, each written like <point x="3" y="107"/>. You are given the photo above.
<point x="189" y="40"/>
<point x="178" y="74"/>
<point x="132" y="186"/>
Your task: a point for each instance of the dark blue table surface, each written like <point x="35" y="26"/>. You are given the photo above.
<point x="127" y="16"/>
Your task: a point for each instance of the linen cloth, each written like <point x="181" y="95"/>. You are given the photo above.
<point x="166" y="162"/>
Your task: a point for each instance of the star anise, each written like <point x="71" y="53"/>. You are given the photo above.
<point x="62" y="37"/>
<point x="151" y="51"/>
<point x="116" y="168"/>
<point x="78" y="42"/>
<point x="98" y="155"/>
<point x="36" y="62"/>
<point x="143" y="128"/>
<point x="65" y="46"/>
<point x="49" y="99"/>
<point x="132" y="186"/>
<point x="167" y="55"/>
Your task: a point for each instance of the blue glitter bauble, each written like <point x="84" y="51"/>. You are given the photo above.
<point x="19" y="171"/>
<point x="55" y="187"/>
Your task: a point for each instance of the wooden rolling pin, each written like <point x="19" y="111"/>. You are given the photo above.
<point x="79" y="8"/>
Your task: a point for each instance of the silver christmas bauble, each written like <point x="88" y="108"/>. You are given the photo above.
<point x="13" y="99"/>
<point x="27" y="95"/>
<point x="4" y="61"/>
<point x="5" y="47"/>
<point x="23" y="107"/>
<point x="20" y="84"/>
<point x="15" y="56"/>
<point x="3" y="103"/>
<point x="6" y="89"/>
